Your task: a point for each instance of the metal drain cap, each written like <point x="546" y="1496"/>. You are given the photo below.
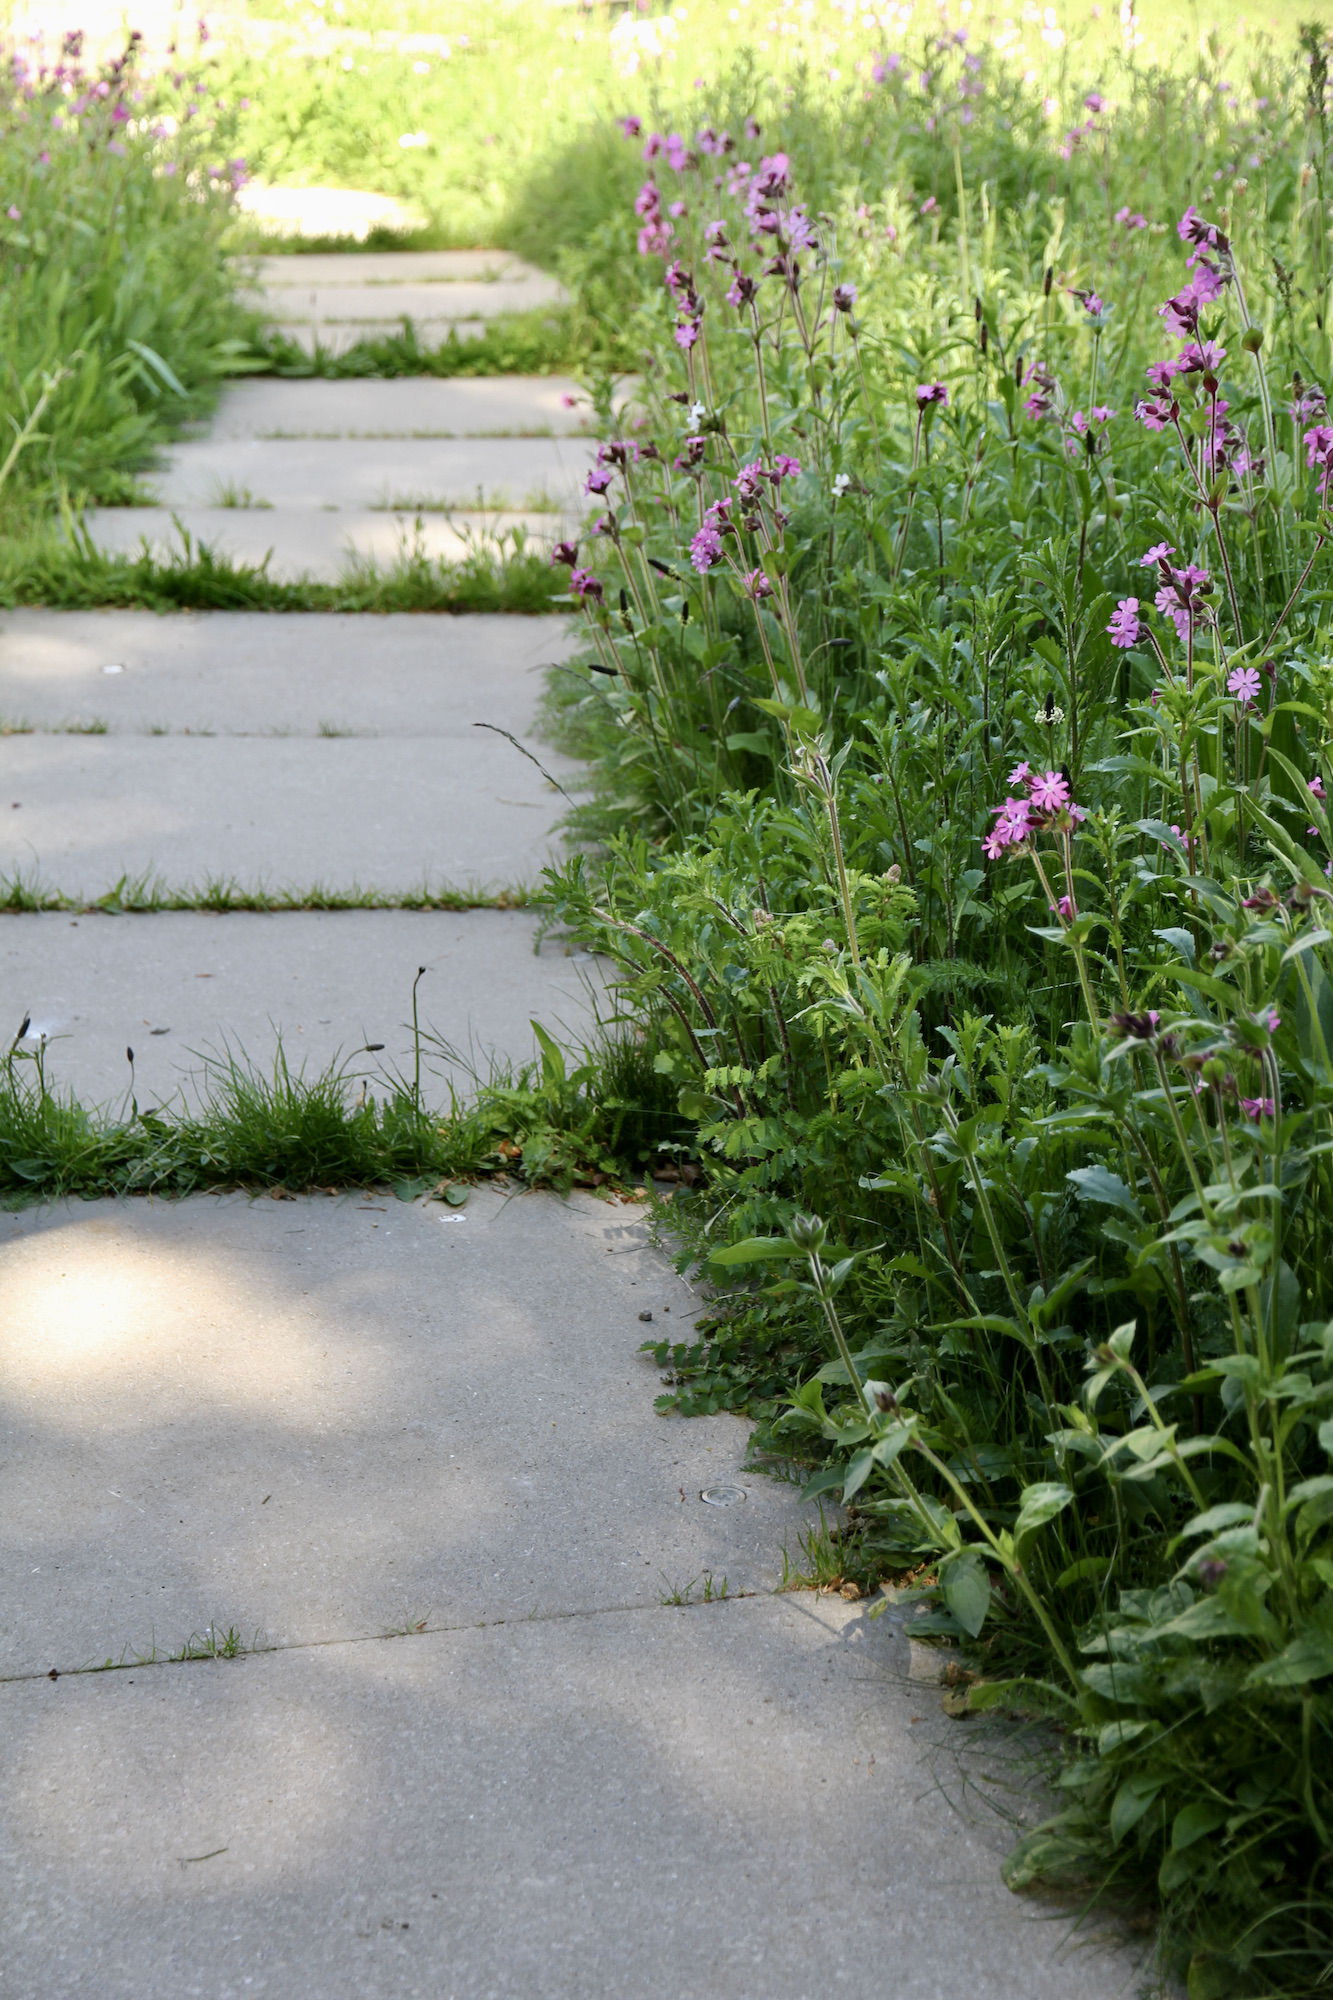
<point x="722" y="1496"/>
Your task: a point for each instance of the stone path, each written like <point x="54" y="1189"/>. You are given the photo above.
<point x="311" y="473"/>
<point x="489" y="1726"/>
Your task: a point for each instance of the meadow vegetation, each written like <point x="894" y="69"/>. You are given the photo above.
<point x="958" y="698"/>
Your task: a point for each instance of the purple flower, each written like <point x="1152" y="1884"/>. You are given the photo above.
<point x="1316" y="786"/>
<point x="1200" y="357"/>
<point x="786" y="468"/>
<point x="758" y="585"/>
<point x="1273" y="1022"/>
<point x="1124" y="625"/>
<point x="1244" y="684"/>
<point x="844" y="298"/>
<point x="582" y="583"/>
<point x="1257" y="1107"/>
<point x="741" y="291"/>
<point x="705" y="550"/>
<point x="15" y="214"/>
<point x="687" y="332"/>
<point x="1065" y="908"/>
<point x="1128" y="220"/>
<point x="1155" y="412"/>
<point x="1158" y="553"/>
<point x="598" y="480"/>
<point x="929" y="393"/>
<point x="631" y="126"/>
<point x="1021" y="774"/>
<point x="1318" y="448"/>
<point x="885" y="67"/>
<point x="567" y="553"/>
<point x="749" y="481"/>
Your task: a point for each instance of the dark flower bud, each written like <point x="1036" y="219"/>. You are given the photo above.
<point x="1211" y="1571"/>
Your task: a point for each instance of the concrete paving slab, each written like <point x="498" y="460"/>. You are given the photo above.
<point x="322" y="1418"/>
<point x="175" y="987"/>
<point x="311" y="546"/>
<point x="655" y="1805"/>
<point x="256" y="673"/>
<point x="80" y="812"/>
<point x="355" y="474"/>
<point x="265" y="406"/>
<point x="373" y="269"/>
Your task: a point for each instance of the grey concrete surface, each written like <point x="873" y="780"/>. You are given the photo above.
<point x="254" y="673"/>
<point x="741" y="1800"/>
<point x="297" y="544"/>
<point x="409" y="406"/>
<point x="356" y="474"/>
<point x="178" y="986"/>
<point x="337" y="300"/>
<point x="388" y="814"/>
<point x="321" y="1418"/>
<point x="376" y="270"/>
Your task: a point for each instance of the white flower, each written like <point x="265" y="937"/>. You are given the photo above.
<point x="409" y="139"/>
<point x="840" y="484"/>
<point x="697" y="415"/>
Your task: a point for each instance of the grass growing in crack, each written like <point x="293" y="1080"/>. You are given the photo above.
<point x="210" y="1644"/>
<point x="150" y="895"/>
<point x="546" y="1123"/>
<point x="498" y="571"/>
<point x="682" y="1593"/>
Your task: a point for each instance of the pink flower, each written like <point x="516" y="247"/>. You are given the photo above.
<point x="1257" y="1107"/>
<point x="15" y="214"/>
<point x="631" y="127"/>
<point x="1021" y="774"/>
<point x="1158" y="553"/>
<point x="584" y="584"/>
<point x="929" y="393"/>
<point x="1065" y="908"/>
<point x="1274" y="1021"/>
<point x="569" y="402"/>
<point x="1154" y="412"/>
<point x="567" y="553"/>
<point x="1244" y="684"/>
<point x="1050" y="792"/>
<point x="786" y="468"/>
<point x="597" y="481"/>
<point x="1127" y="220"/>
<point x="1124" y="625"/>
<point x="758" y="585"/>
<point x="705" y="550"/>
<point x="1316" y="786"/>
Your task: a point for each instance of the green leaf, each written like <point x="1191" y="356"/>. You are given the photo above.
<point x="752" y="740"/>
<point x="1101" y="1185"/>
<point x="1131" y="1802"/>
<point x="1309" y="1657"/>
<point x="754" y="1250"/>
<point x="1041" y="1503"/>
<point x="1192" y="1822"/>
<point x="967" y="1590"/>
<point x="455" y="1195"/>
<point x="553" y="1058"/>
<point x="1325" y="1429"/>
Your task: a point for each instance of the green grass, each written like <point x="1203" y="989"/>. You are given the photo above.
<point x="544" y="341"/>
<point x="68" y="573"/>
<point x="151" y="895"/>
<point x="597" y="1122"/>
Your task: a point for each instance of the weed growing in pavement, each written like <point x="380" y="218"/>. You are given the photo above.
<point x="593" y="1124"/>
<point x="150" y="895"/>
<point x="498" y="571"/>
<point x="957" y="665"/>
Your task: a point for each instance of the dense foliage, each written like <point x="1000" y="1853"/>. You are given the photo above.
<point x="957" y="679"/>
<point x="117" y="311"/>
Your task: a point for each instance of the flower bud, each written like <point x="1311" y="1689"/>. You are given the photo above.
<point x="806" y="1232"/>
<point x="1252" y="339"/>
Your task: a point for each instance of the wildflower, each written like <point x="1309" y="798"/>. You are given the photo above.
<point x="1158" y="553"/>
<point x="631" y="127"/>
<point x="1318" y="450"/>
<point x="1065" y="908"/>
<point x="786" y="468"/>
<point x="1048" y="713"/>
<point x="749" y="481"/>
<point x="1130" y="221"/>
<point x="597" y="481"/>
<point x="742" y="290"/>
<point x="1050" y="792"/>
<point x="840" y="484"/>
<point x="15" y="214"/>
<point x="1316" y="786"/>
<point x="1044" y="390"/>
<point x="1257" y="1107"/>
<point x="1181" y="596"/>
<point x="1200" y="357"/>
<point x="617" y="452"/>
<point x="844" y="298"/>
<point x="582" y="583"/>
<point x="1021" y="774"/>
<point x="569" y="402"/>
<point x="1124" y="625"/>
<point x="565" y="552"/>
<point x="687" y="332"/>
<point x="1136" y="1027"/>
<point x="1159" y="374"/>
<point x="1310" y="400"/>
<point x="705" y="550"/>
<point x="691" y="456"/>
<point x="758" y="585"/>
<point x="1155" y="412"/>
<point x="1244" y="684"/>
<point x="929" y="393"/>
<point x="1274" y="1021"/>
